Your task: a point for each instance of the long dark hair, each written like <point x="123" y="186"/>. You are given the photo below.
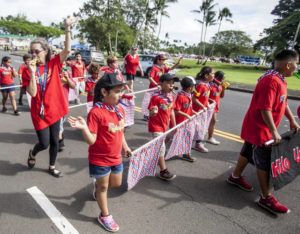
<point x="98" y="96"/>
<point x="5" y="59"/>
<point x="44" y="44"/>
<point x="204" y="71"/>
<point x="219" y="75"/>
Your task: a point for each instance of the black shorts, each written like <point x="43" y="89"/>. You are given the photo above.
<point x="130" y="76"/>
<point x="262" y="157"/>
<point x="247" y="151"/>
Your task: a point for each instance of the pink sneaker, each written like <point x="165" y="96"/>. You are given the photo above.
<point x="271" y="204"/>
<point x="108" y="223"/>
<point x="201" y="148"/>
<point x="240" y="183"/>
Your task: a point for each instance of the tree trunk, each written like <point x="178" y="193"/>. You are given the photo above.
<point x="217" y="37"/>
<point x="116" y="42"/>
<point x="109" y="44"/>
<point x="159" y="29"/>
<point x="198" y="62"/>
<point x="204" y="41"/>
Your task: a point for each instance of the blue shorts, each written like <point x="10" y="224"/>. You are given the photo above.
<point x="101" y="171"/>
<point x="8" y="90"/>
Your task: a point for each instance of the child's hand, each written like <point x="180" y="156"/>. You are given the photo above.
<point x="128" y="152"/>
<point x="154" y="111"/>
<point x="78" y="122"/>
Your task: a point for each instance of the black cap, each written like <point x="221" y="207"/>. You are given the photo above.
<point x="111" y="80"/>
<point x="187" y="82"/>
<point x="167" y="77"/>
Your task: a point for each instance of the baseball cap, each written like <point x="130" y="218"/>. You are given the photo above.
<point x="188" y="81"/>
<point x="167" y="77"/>
<point x="110" y="80"/>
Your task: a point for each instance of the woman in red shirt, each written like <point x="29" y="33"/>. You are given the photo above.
<point x="7" y="74"/>
<point x="131" y="63"/>
<point x="48" y="104"/>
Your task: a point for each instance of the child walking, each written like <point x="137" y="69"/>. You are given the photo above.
<point x="217" y="91"/>
<point x="91" y="81"/>
<point x="104" y="132"/>
<point x="183" y="106"/>
<point x="160" y="113"/>
<point x="201" y="97"/>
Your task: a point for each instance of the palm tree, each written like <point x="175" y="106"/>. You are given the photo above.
<point x="209" y="21"/>
<point x="223" y="14"/>
<point x="161" y="6"/>
<point x="206" y="7"/>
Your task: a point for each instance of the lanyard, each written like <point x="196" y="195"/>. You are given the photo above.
<point x="43" y="84"/>
<point x="110" y="108"/>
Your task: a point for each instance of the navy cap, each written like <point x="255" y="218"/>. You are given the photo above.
<point x="167" y="77"/>
<point x="111" y="80"/>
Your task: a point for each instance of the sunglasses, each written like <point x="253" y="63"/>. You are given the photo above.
<point x="35" y="51"/>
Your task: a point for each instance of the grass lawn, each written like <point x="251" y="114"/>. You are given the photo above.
<point x="235" y="73"/>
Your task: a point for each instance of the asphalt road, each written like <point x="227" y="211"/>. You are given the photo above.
<point x="197" y="201"/>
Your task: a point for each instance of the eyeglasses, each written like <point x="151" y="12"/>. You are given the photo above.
<point x="35" y="51"/>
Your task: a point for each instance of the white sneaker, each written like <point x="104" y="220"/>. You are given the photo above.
<point x="213" y="141"/>
<point x="200" y="147"/>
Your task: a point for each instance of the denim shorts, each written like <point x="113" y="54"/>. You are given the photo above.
<point x="101" y="171"/>
<point x="8" y="90"/>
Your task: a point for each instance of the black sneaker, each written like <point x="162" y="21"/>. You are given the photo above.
<point x="20" y="103"/>
<point x="61" y="145"/>
<point x="166" y="175"/>
<point x="4" y="109"/>
<point x="17" y="112"/>
<point x="188" y="158"/>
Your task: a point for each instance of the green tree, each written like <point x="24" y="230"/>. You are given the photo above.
<point x="232" y="42"/>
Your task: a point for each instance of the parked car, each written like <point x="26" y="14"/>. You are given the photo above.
<point x="93" y="56"/>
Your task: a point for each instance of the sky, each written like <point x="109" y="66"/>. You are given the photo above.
<point x="251" y="16"/>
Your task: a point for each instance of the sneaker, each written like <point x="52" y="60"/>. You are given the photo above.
<point x="146" y="118"/>
<point x="213" y="141"/>
<point x="271" y="204"/>
<point x="17" y="112"/>
<point x="166" y="175"/>
<point x="200" y="147"/>
<point x="188" y="158"/>
<point x="240" y="183"/>
<point x="4" y="109"/>
<point x="94" y="189"/>
<point x="61" y="145"/>
<point x="108" y="223"/>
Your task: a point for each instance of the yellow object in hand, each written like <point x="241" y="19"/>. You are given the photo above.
<point x="225" y="84"/>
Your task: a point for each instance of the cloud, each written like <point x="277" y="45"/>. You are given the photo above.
<point x="249" y="16"/>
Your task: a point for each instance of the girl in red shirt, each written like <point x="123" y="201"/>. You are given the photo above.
<point x="201" y="97"/>
<point x="24" y="76"/>
<point x="48" y="104"/>
<point x="104" y="132"/>
<point x="217" y="91"/>
<point x="7" y="75"/>
<point x="91" y="81"/>
<point x="131" y="63"/>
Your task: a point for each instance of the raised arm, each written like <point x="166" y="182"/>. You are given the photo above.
<point x="68" y="25"/>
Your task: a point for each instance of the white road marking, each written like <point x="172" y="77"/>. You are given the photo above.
<point x="57" y="218"/>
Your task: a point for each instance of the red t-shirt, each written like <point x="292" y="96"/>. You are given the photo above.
<point x="25" y="75"/>
<point x="131" y="64"/>
<point x="55" y="105"/>
<point x="270" y="94"/>
<point x="78" y="69"/>
<point x="109" y="70"/>
<point x="215" y="91"/>
<point x="66" y="87"/>
<point x="165" y="103"/>
<point x="203" y="91"/>
<point x="89" y="88"/>
<point x="183" y="103"/>
<point x="6" y="76"/>
<point x="156" y="72"/>
<point x="107" y="149"/>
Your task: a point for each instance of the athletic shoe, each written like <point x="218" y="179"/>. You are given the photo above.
<point x="213" y="141"/>
<point x="166" y="175"/>
<point x="4" y="109"/>
<point x="240" y="183"/>
<point x="188" y="158"/>
<point x="94" y="189"/>
<point x="108" y="223"/>
<point x="271" y="204"/>
<point x="200" y="147"/>
<point x="17" y="112"/>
